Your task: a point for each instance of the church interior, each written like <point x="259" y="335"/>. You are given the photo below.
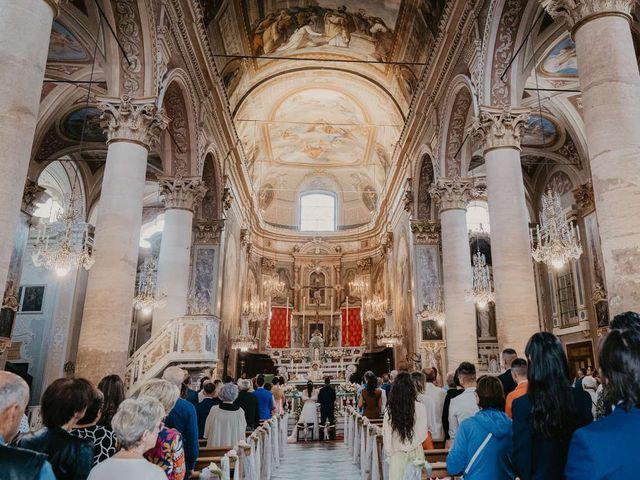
<point x="313" y="188"/>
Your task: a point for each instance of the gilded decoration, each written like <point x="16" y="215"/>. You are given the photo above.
<point x="583" y="195"/>
<point x="208" y="232"/>
<point x="33" y="194"/>
<point x="452" y="193"/>
<point x="499" y="127"/>
<point x="576" y="12"/>
<point x="132" y="120"/>
<point x="182" y="193"/>
<point x="425" y="232"/>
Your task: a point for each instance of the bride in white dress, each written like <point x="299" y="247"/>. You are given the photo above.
<point x="308" y="420"/>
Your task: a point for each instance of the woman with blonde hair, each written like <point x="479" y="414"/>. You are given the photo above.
<point x="168" y="452"/>
<point x="136" y="425"/>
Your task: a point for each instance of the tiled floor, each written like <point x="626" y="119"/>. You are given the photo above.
<point x="317" y="461"/>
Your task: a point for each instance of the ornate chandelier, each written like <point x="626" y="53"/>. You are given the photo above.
<point x="359" y="286"/>
<point x="65" y="244"/>
<point x="390" y="336"/>
<point x="256" y="310"/>
<point x="147" y="299"/>
<point x="244" y="341"/>
<point x="482" y="291"/>
<point x="434" y="310"/>
<point x="557" y="240"/>
<point x="375" y="308"/>
<point x="273" y="286"/>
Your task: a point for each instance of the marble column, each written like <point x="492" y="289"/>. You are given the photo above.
<point x="133" y="127"/>
<point x="499" y="131"/>
<point x="23" y="59"/>
<point x="453" y="194"/>
<point x="181" y="195"/>
<point x="610" y="84"/>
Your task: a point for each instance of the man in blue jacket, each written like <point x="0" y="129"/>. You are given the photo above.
<point x="266" y="405"/>
<point x="608" y="448"/>
<point x="183" y="418"/>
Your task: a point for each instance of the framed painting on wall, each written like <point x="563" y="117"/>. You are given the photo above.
<point x="431" y="331"/>
<point x="31" y="298"/>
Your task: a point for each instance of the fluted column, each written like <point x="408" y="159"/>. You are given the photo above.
<point x="610" y="85"/>
<point x="453" y="194"/>
<point x="133" y="127"/>
<point x="499" y="132"/>
<point x="181" y="195"/>
<point x="22" y="62"/>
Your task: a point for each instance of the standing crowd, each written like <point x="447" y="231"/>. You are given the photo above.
<point x="532" y="422"/>
<point x="94" y="432"/>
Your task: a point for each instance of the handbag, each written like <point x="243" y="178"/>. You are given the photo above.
<point x="476" y="454"/>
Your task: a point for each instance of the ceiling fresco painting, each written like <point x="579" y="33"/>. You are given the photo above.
<point x="64" y="47"/>
<point x="87" y="118"/>
<point x="561" y="60"/>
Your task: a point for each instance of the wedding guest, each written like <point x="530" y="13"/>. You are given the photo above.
<point x="112" y="387"/>
<point x="168" y="452"/>
<point x="545" y="418"/>
<point x="437" y="396"/>
<point x="508" y="383"/>
<point x="519" y="372"/>
<point x="454" y="389"/>
<point x="203" y="408"/>
<point x="608" y="448"/>
<point x="464" y="405"/>
<point x="404" y="427"/>
<point x="63" y="403"/>
<point x="186" y="392"/>
<point x="248" y="403"/>
<point x="370" y="400"/>
<point x="136" y="425"/>
<point x="103" y="439"/>
<point x="203" y="381"/>
<point x="278" y="395"/>
<point x="17" y="463"/>
<point x="419" y="382"/>
<point x="266" y="405"/>
<point x="225" y="425"/>
<point x="590" y="385"/>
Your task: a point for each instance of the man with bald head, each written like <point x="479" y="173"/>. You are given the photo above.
<point x="17" y="463"/>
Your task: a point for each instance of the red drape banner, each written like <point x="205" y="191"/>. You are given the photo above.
<point x="352" y="330"/>
<point x="280" y="334"/>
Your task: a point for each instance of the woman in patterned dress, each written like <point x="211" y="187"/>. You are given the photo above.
<point x="104" y="442"/>
<point x="168" y="452"/>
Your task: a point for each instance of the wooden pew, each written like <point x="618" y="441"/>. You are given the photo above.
<point x="436" y="455"/>
<point x="439" y="471"/>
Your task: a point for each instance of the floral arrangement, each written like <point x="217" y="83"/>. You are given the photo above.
<point x="348" y="387"/>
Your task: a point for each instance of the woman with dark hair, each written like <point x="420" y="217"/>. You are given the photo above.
<point x="545" y="418"/>
<point x="608" y="448"/>
<point x="203" y="382"/>
<point x="104" y="442"/>
<point x="482" y="447"/>
<point x="371" y="397"/>
<point x="419" y="380"/>
<point x="454" y="390"/>
<point x="404" y="426"/>
<point x="309" y="414"/>
<point x="63" y="403"/>
<point x="278" y="395"/>
<point x="112" y="387"/>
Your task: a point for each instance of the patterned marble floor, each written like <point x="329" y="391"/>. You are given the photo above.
<point x="317" y="461"/>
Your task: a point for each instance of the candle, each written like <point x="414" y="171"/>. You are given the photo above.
<point x="346" y="336"/>
<point x="290" y="324"/>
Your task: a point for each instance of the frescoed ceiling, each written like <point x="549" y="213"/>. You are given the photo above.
<point x="319" y="91"/>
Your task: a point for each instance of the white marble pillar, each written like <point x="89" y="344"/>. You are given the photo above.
<point x="181" y="195"/>
<point x="610" y="84"/>
<point x="499" y="132"/>
<point x="22" y="62"/>
<point x="453" y="194"/>
<point x="133" y="127"/>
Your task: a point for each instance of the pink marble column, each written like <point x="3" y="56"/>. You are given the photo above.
<point x="133" y="127"/>
<point x="499" y="132"/>
<point x="453" y="194"/>
<point x="25" y="27"/>
<point x="610" y="84"/>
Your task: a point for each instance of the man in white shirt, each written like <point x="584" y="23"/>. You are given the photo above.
<point x="437" y="396"/>
<point x="465" y="404"/>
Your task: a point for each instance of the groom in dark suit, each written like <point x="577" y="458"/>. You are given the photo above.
<point x="327" y="401"/>
<point x="508" y="383"/>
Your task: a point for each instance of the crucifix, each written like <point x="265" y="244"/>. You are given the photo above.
<point x="315" y="297"/>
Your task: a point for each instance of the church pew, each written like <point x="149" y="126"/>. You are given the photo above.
<point x="205" y="461"/>
<point x="203" y="441"/>
<point x="436" y="455"/>
<point x="439" y="470"/>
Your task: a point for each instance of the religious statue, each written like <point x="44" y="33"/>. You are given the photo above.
<point x="316" y="347"/>
<point x="315" y="373"/>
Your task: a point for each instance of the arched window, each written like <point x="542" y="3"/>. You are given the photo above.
<point x="478" y="217"/>
<point x="317" y="212"/>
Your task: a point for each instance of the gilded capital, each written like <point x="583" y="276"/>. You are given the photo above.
<point x="499" y="127"/>
<point x="132" y="120"/>
<point x="425" y="232"/>
<point x="576" y="13"/>
<point x="452" y="193"/>
<point x="181" y="193"/>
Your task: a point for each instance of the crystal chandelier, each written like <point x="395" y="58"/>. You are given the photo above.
<point x="375" y="308"/>
<point x="482" y="291"/>
<point x="273" y="286"/>
<point x="147" y="299"/>
<point x="65" y="244"/>
<point x="557" y="240"/>
<point x="434" y="310"/>
<point x="244" y="341"/>
<point x="390" y="336"/>
<point x="359" y="286"/>
<point x="256" y="310"/>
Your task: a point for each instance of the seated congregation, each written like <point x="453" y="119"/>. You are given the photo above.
<point x="165" y="431"/>
<point x="531" y="423"/>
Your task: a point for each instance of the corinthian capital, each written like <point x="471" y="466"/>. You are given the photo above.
<point x="132" y="120"/>
<point x="499" y="127"/>
<point x="577" y="12"/>
<point x="425" y="232"/>
<point x="181" y="193"/>
<point x="452" y="192"/>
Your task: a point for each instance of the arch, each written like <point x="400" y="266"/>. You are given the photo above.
<point x="210" y="207"/>
<point x="459" y="105"/>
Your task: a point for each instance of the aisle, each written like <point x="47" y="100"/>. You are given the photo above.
<point x="317" y="460"/>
